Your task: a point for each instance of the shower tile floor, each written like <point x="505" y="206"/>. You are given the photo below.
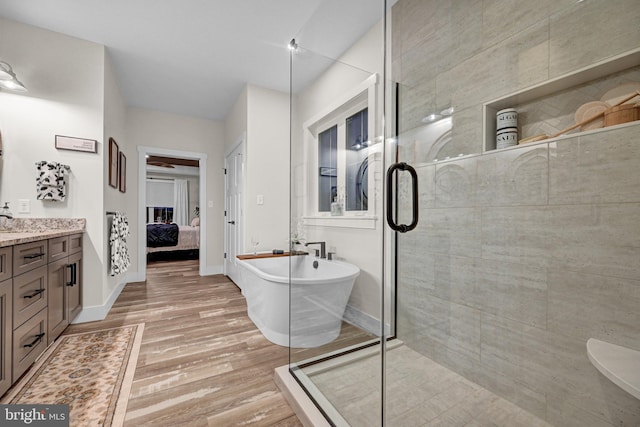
<point x="420" y="393"/>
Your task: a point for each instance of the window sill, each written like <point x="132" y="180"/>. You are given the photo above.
<point x="344" y="221"/>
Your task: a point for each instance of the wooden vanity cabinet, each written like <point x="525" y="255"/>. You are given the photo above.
<point x="6" y="332"/>
<point x="40" y="294"/>
<point x="30" y="294"/>
<point x="65" y="290"/>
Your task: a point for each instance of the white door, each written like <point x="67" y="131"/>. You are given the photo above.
<point x="234" y="219"/>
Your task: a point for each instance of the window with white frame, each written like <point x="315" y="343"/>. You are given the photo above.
<point x="339" y="156"/>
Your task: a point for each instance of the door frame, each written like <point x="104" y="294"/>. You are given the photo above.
<point x="241" y="143"/>
<point x="143" y="152"/>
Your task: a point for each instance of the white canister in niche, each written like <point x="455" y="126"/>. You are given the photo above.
<point x="507" y="118"/>
<point x="507" y="138"/>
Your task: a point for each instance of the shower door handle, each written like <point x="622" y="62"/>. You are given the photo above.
<point x="402" y="228"/>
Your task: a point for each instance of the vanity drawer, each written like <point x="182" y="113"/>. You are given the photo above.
<point x="29" y="341"/>
<point x="29" y="294"/>
<point x="75" y="243"/>
<point x="6" y="263"/>
<point x="28" y="256"/>
<point x="58" y="248"/>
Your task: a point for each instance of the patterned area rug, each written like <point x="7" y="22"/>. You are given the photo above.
<point x="91" y="372"/>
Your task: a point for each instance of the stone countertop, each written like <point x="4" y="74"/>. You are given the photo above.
<point x="15" y="238"/>
<point x="25" y="230"/>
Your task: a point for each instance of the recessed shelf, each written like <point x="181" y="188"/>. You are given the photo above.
<point x="578" y="81"/>
<point x="619" y="364"/>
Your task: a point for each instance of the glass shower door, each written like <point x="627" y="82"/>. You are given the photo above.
<point x="526" y="244"/>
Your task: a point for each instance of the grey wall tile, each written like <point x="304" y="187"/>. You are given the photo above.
<point x="596" y="168"/>
<point x="456" y="279"/>
<point x="451" y="38"/>
<point x="587" y="306"/>
<point x="416" y="101"/>
<point x="443" y="324"/>
<point x="516" y="63"/>
<point x="592" y="31"/>
<point x="456" y="183"/>
<point x="466" y="132"/>
<point x="517" y="234"/>
<point x="454" y="231"/>
<point x="543" y="361"/>
<point x="514" y="291"/>
<point x="598" y="239"/>
<point x="555" y="364"/>
<point x="426" y="186"/>
<point x="418" y="20"/>
<point x="501" y="20"/>
<point x="487" y="235"/>
<point x="513" y="177"/>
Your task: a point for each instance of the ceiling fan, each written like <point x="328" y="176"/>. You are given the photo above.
<point x="170" y="162"/>
<point x="160" y="164"/>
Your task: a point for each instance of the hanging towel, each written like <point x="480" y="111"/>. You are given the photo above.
<point x="120" y="260"/>
<point x="50" y="181"/>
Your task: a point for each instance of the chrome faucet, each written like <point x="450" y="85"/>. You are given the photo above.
<point x="4" y="212"/>
<point x="6" y="218"/>
<point x="323" y="251"/>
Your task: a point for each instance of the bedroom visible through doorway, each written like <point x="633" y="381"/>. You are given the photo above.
<point x="171" y="189"/>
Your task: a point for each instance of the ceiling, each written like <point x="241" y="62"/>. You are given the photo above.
<point x="193" y="57"/>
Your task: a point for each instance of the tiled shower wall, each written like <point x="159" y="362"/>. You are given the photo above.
<point x="522" y="254"/>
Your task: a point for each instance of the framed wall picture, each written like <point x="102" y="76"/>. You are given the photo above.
<point x="113" y="162"/>
<point x="122" y="168"/>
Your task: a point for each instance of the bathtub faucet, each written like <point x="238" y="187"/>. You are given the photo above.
<point x="323" y="252"/>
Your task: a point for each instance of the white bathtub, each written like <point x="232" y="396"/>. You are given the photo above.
<point x="318" y="297"/>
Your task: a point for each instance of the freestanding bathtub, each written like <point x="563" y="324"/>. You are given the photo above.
<point x="318" y="298"/>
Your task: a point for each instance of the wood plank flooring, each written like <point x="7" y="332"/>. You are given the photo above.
<point x="202" y="360"/>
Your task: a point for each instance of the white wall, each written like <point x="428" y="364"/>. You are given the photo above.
<point x="73" y="91"/>
<point x="115" y="117"/>
<point x="262" y="115"/>
<point x="235" y="124"/>
<point x="267" y="160"/>
<point x="170" y="131"/>
<point x="65" y="79"/>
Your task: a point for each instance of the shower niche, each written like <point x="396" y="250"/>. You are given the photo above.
<point x="547" y="109"/>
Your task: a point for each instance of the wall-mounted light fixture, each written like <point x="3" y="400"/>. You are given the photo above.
<point x="8" y="79"/>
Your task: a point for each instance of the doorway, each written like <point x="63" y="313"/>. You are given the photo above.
<point x="201" y="158"/>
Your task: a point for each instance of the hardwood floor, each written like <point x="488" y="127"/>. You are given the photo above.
<point x="202" y="360"/>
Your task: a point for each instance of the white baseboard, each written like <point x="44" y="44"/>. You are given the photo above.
<point x="135" y="277"/>
<point x="99" y="312"/>
<point x="210" y="270"/>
